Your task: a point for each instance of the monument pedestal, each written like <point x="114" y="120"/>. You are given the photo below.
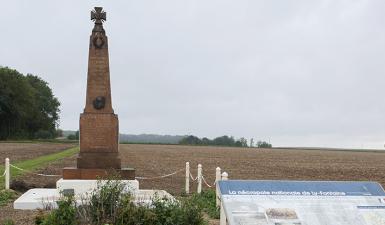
<point x="99" y="155"/>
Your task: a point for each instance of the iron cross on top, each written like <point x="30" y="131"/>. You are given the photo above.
<point x="98" y="15"/>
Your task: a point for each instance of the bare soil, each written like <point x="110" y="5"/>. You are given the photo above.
<point x="241" y="163"/>
<point x="23" y="151"/>
<point x="246" y="163"/>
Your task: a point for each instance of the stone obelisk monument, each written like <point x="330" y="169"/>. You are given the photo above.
<point x="99" y="126"/>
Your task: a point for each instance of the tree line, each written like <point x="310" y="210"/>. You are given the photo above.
<point x="223" y="141"/>
<point x="28" y="108"/>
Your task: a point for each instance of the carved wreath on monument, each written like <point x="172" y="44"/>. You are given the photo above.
<point x="98" y="41"/>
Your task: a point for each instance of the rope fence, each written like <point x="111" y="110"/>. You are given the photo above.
<point x="199" y="179"/>
<point x="37" y="174"/>
<point x="204" y="180"/>
<point x="192" y="177"/>
<point x="159" y="177"/>
<point x="5" y="171"/>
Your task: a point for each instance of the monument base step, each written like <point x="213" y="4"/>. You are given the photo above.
<point x="81" y="187"/>
<point x="72" y="173"/>
<point x="45" y="198"/>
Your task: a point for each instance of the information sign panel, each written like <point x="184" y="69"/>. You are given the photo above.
<point x="303" y="202"/>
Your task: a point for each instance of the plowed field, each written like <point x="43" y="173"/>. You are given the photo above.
<point x="241" y="163"/>
<point x="23" y="151"/>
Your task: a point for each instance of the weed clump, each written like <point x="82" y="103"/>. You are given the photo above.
<point x="8" y="222"/>
<point x="6" y="196"/>
<point x="65" y="214"/>
<point x="207" y="202"/>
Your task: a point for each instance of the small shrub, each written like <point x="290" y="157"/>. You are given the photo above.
<point x="8" y="222"/>
<point x="73" y="136"/>
<point x="207" y="202"/>
<point x="65" y="214"/>
<point x="192" y="213"/>
<point x="40" y="217"/>
<point x="131" y="214"/>
<point x="109" y="203"/>
<point x="43" y="134"/>
<point x="182" y="212"/>
<point x="103" y="202"/>
<point x="6" y="196"/>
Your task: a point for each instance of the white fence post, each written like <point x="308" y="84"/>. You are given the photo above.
<point x="7" y="173"/>
<point x="222" y="219"/>
<point x="217" y="178"/>
<point x="199" y="178"/>
<point x="187" y="177"/>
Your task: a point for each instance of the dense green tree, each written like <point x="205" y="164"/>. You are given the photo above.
<point x="218" y="141"/>
<point x="263" y="144"/>
<point x="28" y="108"/>
<point x="46" y="109"/>
<point x="206" y="141"/>
<point x="73" y="136"/>
<point x="224" y="141"/>
<point x="190" y="140"/>
<point x="243" y="142"/>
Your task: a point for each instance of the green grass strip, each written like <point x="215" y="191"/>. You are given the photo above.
<point x="36" y="163"/>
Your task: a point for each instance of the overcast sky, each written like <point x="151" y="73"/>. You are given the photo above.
<point x="295" y="72"/>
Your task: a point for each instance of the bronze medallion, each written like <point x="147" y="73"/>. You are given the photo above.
<point x="99" y="102"/>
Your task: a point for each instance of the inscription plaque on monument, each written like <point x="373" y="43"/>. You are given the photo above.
<point x="99" y="126"/>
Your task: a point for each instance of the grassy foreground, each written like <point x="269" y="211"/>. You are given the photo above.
<point x="36" y="163"/>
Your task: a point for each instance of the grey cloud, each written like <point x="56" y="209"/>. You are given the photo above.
<point x="293" y="72"/>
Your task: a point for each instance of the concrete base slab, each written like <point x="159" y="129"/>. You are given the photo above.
<point x="37" y="198"/>
<point x="44" y="198"/>
<point x="81" y="187"/>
